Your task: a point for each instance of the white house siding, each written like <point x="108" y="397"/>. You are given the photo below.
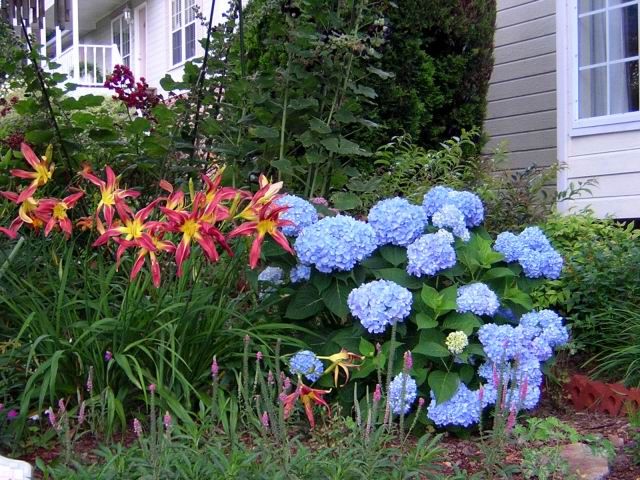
<point x="521" y="107"/>
<point x="611" y="158"/>
<point x="158" y="61"/>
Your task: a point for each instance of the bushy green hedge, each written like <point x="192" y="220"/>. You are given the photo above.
<point x="441" y="52"/>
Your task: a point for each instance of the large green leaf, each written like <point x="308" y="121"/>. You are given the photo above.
<point x="305" y="303"/>
<point x="393" y="254"/>
<point x="519" y="297"/>
<point x="345" y="201"/>
<point x="399" y="276"/>
<point x="366" y="348"/>
<point x="432" y="349"/>
<point x="425" y="321"/>
<point x="335" y="299"/>
<point x="466" y="322"/>
<point x="443" y="384"/>
<point x="498" y="272"/>
<point x="431" y="297"/>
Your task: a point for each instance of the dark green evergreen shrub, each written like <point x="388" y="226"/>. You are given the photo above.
<point x="441" y="52"/>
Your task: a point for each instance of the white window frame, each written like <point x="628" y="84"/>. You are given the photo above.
<point x="120" y="18"/>
<point x="619" y="122"/>
<point x="183" y="32"/>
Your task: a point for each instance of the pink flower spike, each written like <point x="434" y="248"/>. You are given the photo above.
<point x="287" y="384"/>
<point x="214" y="368"/>
<point x="420" y="402"/>
<point x="496" y="378"/>
<point x="511" y="421"/>
<point x="61" y="406"/>
<point x="247" y="339"/>
<point x="408" y="361"/>
<point x="108" y="356"/>
<point x="270" y="379"/>
<point x="90" y="381"/>
<point x="166" y="421"/>
<point x="12" y="415"/>
<point x="1" y="406"/>
<point x="137" y="427"/>
<point x="259" y="356"/>
<point x="523" y="389"/>
<point x="52" y="417"/>
<point x="81" y="413"/>
<point x="282" y="397"/>
<point x="378" y="348"/>
<point x="264" y="419"/>
<point x="377" y="394"/>
<point x="152" y="388"/>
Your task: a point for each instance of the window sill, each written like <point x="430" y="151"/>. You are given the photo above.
<point x="177" y="66"/>
<point x="596" y="126"/>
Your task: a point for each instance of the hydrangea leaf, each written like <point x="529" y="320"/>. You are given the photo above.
<point x="321" y="281"/>
<point x="265" y="132"/>
<point x="432" y="349"/>
<point x="366" y="348"/>
<point x="305" y="303"/>
<point x="498" y="272"/>
<point x="431" y="297"/>
<point x="374" y="262"/>
<point x="466" y="373"/>
<point x="425" y="321"/>
<point x="335" y="299"/>
<point x="345" y="201"/>
<point x="443" y="384"/>
<point x="319" y="126"/>
<point x="393" y="254"/>
<point x="466" y="322"/>
<point x="399" y="276"/>
<point x="519" y="297"/>
<point x="449" y="296"/>
<point x="475" y="349"/>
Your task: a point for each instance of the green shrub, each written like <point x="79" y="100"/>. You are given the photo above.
<point x="441" y="53"/>
<point x="602" y="267"/>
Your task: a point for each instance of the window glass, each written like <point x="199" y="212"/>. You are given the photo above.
<point x="593" y="92"/>
<point x="190" y="40"/>
<point x="624" y="87"/>
<point x="623" y="32"/>
<point x="177" y="47"/>
<point x="592" y="39"/>
<point x="590" y="5"/>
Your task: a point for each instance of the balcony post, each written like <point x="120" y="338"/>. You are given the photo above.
<point x="76" y="40"/>
<point x="58" y="42"/>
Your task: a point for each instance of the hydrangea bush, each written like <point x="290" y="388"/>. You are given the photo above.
<point x="430" y="280"/>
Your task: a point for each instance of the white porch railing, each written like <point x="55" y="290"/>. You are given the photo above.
<point x="94" y="63"/>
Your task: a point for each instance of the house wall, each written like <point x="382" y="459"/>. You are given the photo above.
<point x="158" y="61"/>
<point x="610" y="157"/>
<point x="521" y="107"/>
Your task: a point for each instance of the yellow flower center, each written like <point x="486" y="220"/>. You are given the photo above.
<point x="60" y="211"/>
<point x="107" y="197"/>
<point x="266" y="226"/>
<point x="43" y="173"/>
<point x="133" y="229"/>
<point x="190" y="227"/>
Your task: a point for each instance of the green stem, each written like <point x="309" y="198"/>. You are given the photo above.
<point x="392" y="351"/>
<point x="283" y="124"/>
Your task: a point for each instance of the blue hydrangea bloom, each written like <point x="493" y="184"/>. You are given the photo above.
<point x="477" y="298"/>
<point x="397" y="402"/>
<point x="463" y="409"/>
<point x="431" y="253"/>
<point x="532" y="250"/>
<point x="501" y="343"/>
<point x="272" y="275"/>
<point x="335" y="243"/>
<point x="435" y="199"/>
<point x="450" y="217"/>
<point x="508" y="245"/>
<point x="397" y="221"/>
<point x="300" y="212"/>
<point x="300" y="273"/>
<point x="380" y="303"/>
<point x="470" y="205"/>
<point x="306" y="363"/>
<point x="545" y="331"/>
<point x="534" y="238"/>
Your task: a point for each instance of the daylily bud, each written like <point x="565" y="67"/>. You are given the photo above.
<point x="90" y="381"/>
<point x="81" y="414"/>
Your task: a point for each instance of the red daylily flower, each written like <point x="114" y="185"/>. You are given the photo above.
<point x="160" y="245"/>
<point x="196" y="225"/>
<point x="42" y="171"/>
<point x="28" y="213"/>
<point x="56" y="210"/>
<point x="134" y="230"/>
<point x="266" y="194"/>
<point x="267" y="221"/>
<point x="342" y="361"/>
<point x="111" y="195"/>
<point x="309" y="396"/>
<point x="175" y="200"/>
